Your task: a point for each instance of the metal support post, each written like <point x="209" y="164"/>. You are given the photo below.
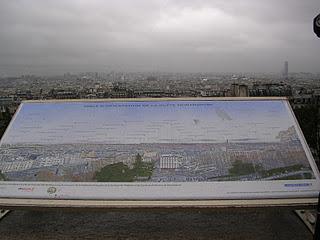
<point x="3" y="213"/>
<point x="316" y="235"/>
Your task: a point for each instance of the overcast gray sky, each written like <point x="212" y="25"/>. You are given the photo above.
<point x="52" y="36"/>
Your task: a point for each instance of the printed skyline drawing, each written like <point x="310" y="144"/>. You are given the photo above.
<point x="154" y="141"/>
<point x="148" y="122"/>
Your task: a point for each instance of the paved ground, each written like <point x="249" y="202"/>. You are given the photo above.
<point x="214" y="224"/>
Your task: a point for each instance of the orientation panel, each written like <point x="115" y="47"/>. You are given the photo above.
<point x="168" y="149"/>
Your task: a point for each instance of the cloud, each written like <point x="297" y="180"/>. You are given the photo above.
<point x="171" y="35"/>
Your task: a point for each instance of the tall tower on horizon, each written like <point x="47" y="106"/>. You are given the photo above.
<point x="285" y="70"/>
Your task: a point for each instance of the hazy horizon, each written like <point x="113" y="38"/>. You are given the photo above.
<point x="56" y="37"/>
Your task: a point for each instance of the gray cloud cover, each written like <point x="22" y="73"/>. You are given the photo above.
<point x="56" y="36"/>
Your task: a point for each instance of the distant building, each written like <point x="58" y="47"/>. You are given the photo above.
<point x="6" y="101"/>
<point x="243" y="90"/>
<point x="239" y="90"/>
<point x="288" y="135"/>
<point x="62" y="94"/>
<point x="304" y="100"/>
<point x="211" y="93"/>
<point x="156" y="93"/>
<point x="48" y="161"/>
<point x="15" y="166"/>
<point x="169" y="161"/>
<point x="285" y="70"/>
<point x="270" y="89"/>
<point x="149" y="156"/>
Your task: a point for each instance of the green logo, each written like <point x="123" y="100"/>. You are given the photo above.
<point x="51" y="190"/>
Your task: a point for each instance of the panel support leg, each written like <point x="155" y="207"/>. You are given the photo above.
<point x="3" y="212"/>
<point x="316" y="235"/>
<point x="311" y="219"/>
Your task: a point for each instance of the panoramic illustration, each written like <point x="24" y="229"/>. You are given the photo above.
<point x="156" y="141"/>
